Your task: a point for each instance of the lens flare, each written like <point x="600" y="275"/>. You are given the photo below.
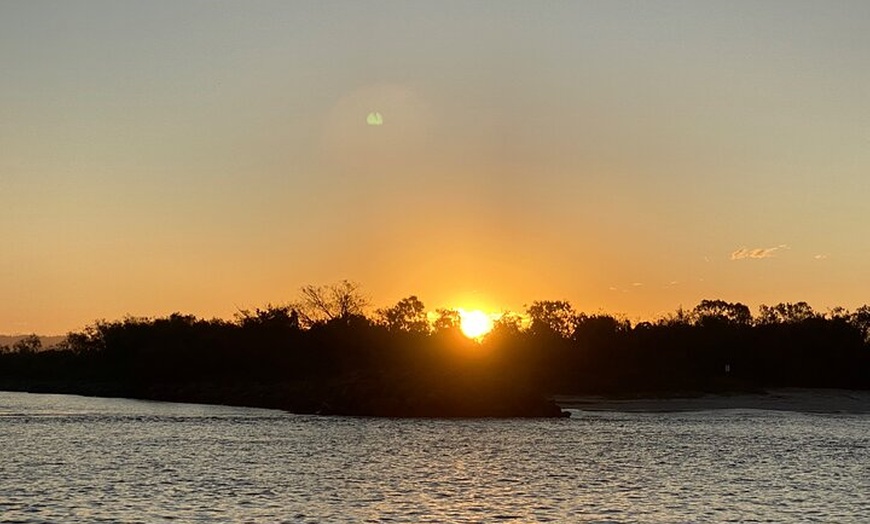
<point x="375" y="119"/>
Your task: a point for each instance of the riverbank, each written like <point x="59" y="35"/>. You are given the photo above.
<point x="291" y="398"/>
<point x="340" y="398"/>
<point x="781" y="399"/>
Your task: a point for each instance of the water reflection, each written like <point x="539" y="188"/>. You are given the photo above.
<point x="74" y="459"/>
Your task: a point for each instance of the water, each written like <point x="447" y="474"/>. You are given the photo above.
<point x="75" y="459"/>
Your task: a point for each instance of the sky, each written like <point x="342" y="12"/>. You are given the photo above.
<point x="630" y="157"/>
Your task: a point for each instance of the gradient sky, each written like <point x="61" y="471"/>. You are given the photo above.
<point x="631" y="157"/>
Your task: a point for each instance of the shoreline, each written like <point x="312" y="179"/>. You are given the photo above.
<point x="340" y="399"/>
<point x="845" y="401"/>
<point x="801" y="400"/>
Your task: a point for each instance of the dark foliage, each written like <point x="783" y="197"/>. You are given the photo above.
<point x="333" y="359"/>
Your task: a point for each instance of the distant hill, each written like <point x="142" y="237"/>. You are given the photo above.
<point x="8" y="340"/>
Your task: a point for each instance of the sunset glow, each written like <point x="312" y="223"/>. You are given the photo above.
<point x="474" y="324"/>
<point x="359" y="252"/>
<point x="629" y="158"/>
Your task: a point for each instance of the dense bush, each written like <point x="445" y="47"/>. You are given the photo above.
<point x="324" y="352"/>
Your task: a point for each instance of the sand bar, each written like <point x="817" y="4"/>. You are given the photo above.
<point x="791" y="399"/>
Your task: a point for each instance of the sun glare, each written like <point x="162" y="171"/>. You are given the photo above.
<point x="474" y="324"/>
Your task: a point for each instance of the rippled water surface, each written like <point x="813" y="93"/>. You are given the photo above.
<point x="75" y="459"/>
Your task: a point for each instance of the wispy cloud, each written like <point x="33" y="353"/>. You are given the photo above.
<point x="821" y="256"/>
<point x="758" y="252"/>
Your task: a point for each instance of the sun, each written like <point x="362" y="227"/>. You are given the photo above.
<point x="474" y="324"/>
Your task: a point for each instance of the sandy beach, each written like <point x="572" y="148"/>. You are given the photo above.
<point x="786" y="399"/>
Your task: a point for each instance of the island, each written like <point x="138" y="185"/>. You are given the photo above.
<point x="402" y="363"/>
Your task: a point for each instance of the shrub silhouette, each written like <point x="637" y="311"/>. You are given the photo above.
<point x="323" y="354"/>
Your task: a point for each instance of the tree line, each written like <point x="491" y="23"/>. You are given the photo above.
<point x="325" y="353"/>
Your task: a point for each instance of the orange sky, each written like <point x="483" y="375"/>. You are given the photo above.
<point x="629" y="157"/>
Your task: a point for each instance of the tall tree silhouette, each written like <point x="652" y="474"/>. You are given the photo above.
<point x="407" y="315"/>
<point x="553" y="316"/>
<point x="325" y="303"/>
<point x="720" y="311"/>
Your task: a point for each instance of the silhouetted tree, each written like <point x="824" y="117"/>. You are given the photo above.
<point x="408" y="316"/>
<point x="786" y="313"/>
<point x="323" y="354"/>
<point x="678" y="317"/>
<point x="553" y="316"/>
<point x="29" y="344"/>
<point x="321" y="304"/>
<point x="280" y="317"/>
<point x="860" y="318"/>
<point x="446" y="320"/>
<point x="508" y="324"/>
<point x="593" y="328"/>
<point x="721" y="311"/>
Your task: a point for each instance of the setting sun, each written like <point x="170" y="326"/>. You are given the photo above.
<point x="475" y="323"/>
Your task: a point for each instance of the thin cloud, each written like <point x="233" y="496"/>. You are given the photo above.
<point x="821" y="256"/>
<point x="757" y="253"/>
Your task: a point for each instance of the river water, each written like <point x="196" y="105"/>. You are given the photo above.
<point x="75" y="459"/>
